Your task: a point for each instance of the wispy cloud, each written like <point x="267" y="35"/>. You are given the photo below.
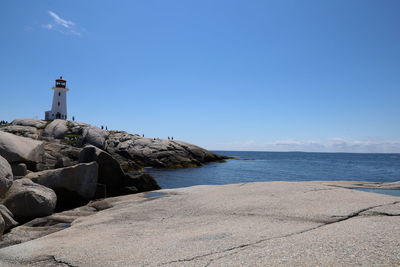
<point x="328" y="145"/>
<point x="61" y="25"/>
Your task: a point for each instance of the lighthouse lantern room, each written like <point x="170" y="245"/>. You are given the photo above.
<point x="59" y="106"/>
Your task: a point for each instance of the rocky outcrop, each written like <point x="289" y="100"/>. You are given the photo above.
<point x="16" y="149"/>
<point x="43" y="226"/>
<point x="19" y="169"/>
<point x="6" y="176"/>
<point x="95" y="136"/>
<point x="2" y="227"/>
<point x="110" y="175"/>
<point x="59" y="155"/>
<point x="140" y="182"/>
<point x="132" y="151"/>
<point x="112" y="179"/>
<point x="71" y="184"/>
<point x="8" y="219"/>
<point x="159" y="153"/>
<point x="26" y="199"/>
<point x="252" y="224"/>
<point x="24" y="131"/>
<point x="57" y="129"/>
<point x="35" y="123"/>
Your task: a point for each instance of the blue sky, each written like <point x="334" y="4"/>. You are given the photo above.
<point x="231" y="75"/>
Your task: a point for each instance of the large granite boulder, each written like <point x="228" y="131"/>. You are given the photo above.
<point x="36" y="123"/>
<point x="26" y="199"/>
<point x="141" y="181"/>
<point x="95" y="136"/>
<point x="19" y="169"/>
<point x="112" y="179"/>
<point x="110" y="175"/>
<point x="159" y="153"/>
<point x="58" y="155"/>
<point x="251" y="224"/>
<point x="132" y="151"/>
<point x="8" y="219"/>
<point x="71" y="184"/>
<point x="2" y="227"/>
<point x="16" y="149"/>
<point x="24" y="131"/>
<point x="57" y="129"/>
<point x="6" y="176"/>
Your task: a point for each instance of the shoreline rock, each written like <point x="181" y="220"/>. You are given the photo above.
<point x="26" y="200"/>
<point x="252" y="224"/>
<point x="132" y="151"/>
<point x="75" y="184"/>
<point x="60" y="165"/>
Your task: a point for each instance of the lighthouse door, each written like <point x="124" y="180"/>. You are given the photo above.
<point x="58" y="115"/>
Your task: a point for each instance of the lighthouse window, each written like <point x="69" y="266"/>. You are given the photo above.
<point x="58" y="103"/>
<point x="59" y="93"/>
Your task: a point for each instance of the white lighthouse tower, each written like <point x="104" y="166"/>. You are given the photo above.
<point x="59" y="107"/>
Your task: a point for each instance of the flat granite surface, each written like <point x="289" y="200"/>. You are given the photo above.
<point x="251" y="224"/>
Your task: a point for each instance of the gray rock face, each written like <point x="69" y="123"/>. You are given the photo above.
<point x="6" y="176"/>
<point x="112" y="179"/>
<point x="132" y="151"/>
<point x="252" y="224"/>
<point x="7" y="216"/>
<point x="2" y="227"/>
<point x="95" y="136"/>
<point x="19" y="169"/>
<point x="71" y="183"/>
<point x="47" y="225"/>
<point x="58" y="155"/>
<point x="151" y="152"/>
<point x="16" y="149"/>
<point x="57" y="129"/>
<point x="110" y="175"/>
<point x="26" y="199"/>
<point x="29" y="122"/>
<point x="24" y="131"/>
<point x="142" y="181"/>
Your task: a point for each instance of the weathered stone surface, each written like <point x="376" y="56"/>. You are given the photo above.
<point x="2" y="227"/>
<point x="50" y="224"/>
<point x="19" y="169"/>
<point x="95" y="136"/>
<point x="132" y="151"/>
<point x="26" y="199"/>
<point x="6" y="176"/>
<point x="29" y="122"/>
<point x="362" y="184"/>
<point x="110" y="174"/>
<point x="70" y="183"/>
<point x="141" y="181"/>
<point x="159" y="153"/>
<point x="57" y="129"/>
<point x="7" y="217"/>
<point x="17" y="149"/>
<point x="112" y="179"/>
<point x="58" y="154"/>
<point x="24" y="131"/>
<point x="253" y="224"/>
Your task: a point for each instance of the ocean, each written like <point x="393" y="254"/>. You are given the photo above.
<point x="284" y="166"/>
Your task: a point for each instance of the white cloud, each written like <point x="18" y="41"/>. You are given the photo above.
<point x="61" y="25"/>
<point x="48" y="26"/>
<point x="329" y="145"/>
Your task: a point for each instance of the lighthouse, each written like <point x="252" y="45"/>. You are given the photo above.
<point x="59" y="107"/>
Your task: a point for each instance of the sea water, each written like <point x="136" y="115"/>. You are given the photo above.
<point x="285" y="166"/>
